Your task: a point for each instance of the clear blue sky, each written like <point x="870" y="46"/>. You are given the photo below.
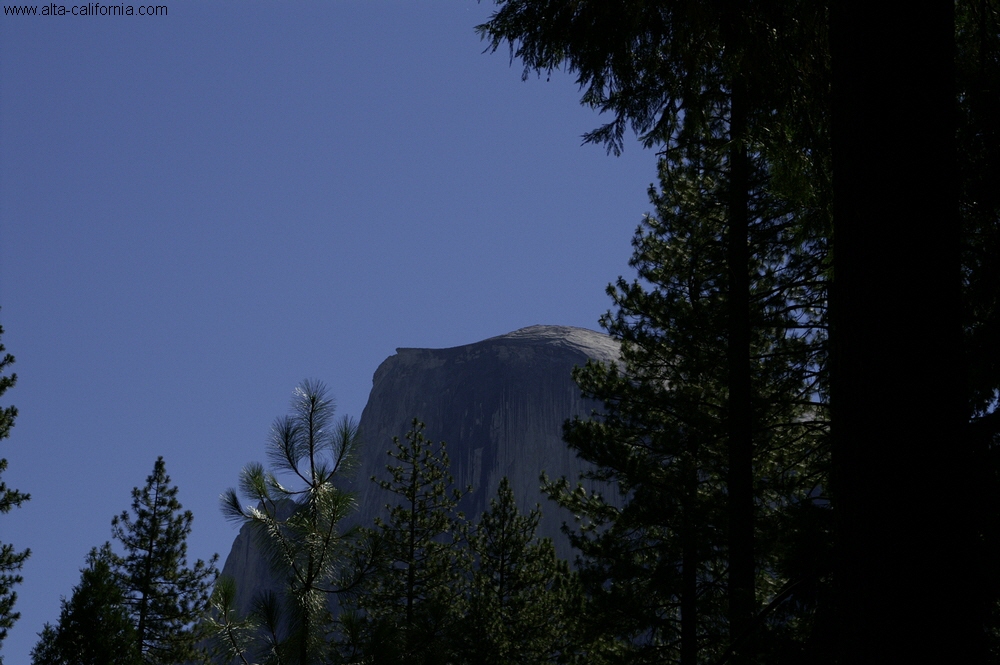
<point x="198" y="211"/>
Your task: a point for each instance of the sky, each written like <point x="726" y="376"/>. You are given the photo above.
<point x="200" y="210"/>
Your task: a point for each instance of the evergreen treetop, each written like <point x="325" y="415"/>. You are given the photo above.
<point x="295" y="514"/>
<point x="523" y="604"/>
<point x="94" y="624"/>
<point x="166" y="597"/>
<point x="409" y="607"/>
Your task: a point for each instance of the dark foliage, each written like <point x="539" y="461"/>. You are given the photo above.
<point x="408" y="610"/>
<point x="11" y="560"/>
<point x="94" y="624"/>
<point x="165" y="597"/>
<point x="523" y="602"/>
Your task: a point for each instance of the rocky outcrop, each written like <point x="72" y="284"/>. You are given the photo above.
<point x="500" y="405"/>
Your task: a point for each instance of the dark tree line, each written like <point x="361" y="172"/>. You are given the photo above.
<point x="715" y="424"/>
<point x="665" y="434"/>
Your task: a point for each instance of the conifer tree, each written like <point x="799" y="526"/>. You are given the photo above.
<point x="749" y="83"/>
<point x="94" y="624"/>
<point x="645" y="62"/>
<point x="659" y="567"/>
<point x="165" y="597"/>
<point x="44" y="652"/>
<point x="522" y="600"/>
<point x="653" y="566"/>
<point x="11" y="560"/>
<point x="297" y="525"/>
<point x="408" y="610"/>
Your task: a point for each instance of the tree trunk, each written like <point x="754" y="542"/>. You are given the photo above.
<point x="742" y="599"/>
<point x="689" y="564"/>
<point x="905" y="577"/>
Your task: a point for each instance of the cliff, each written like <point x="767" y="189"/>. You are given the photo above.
<point x="499" y="404"/>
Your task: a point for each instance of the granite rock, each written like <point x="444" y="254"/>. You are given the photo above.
<point x="499" y="404"/>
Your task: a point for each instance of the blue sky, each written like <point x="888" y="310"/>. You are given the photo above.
<point x="199" y="210"/>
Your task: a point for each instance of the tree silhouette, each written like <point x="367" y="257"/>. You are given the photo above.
<point x="94" y="624"/>
<point x="659" y="566"/>
<point x="166" y="598"/>
<point x="408" y="609"/>
<point x="522" y="600"/>
<point x="747" y="81"/>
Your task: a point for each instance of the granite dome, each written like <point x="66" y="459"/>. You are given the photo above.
<point x="500" y="405"/>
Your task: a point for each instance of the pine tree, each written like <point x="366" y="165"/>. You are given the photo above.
<point x="653" y="566"/>
<point x="408" y="610"/>
<point x="646" y="62"/>
<point x="522" y="600"/>
<point x="298" y="527"/>
<point x="659" y="568"/>
<point x="742" y="88"/>
<point x="166" y="598"/>
<point x="45" y="652"/>
<point x="94" y="624"/>
<point x="11" y="560"/>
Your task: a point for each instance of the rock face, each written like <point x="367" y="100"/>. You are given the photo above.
<point x="499" y="404"/>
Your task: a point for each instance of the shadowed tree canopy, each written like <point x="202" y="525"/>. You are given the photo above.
<point x="657" y="67"/>
<point x="739" y="90"/>
<point x="657" y="567"/>
<point x="911" y="223"/>
<point x="523" y="602"/>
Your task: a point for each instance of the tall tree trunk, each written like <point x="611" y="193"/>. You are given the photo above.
<point x="689" y="563"/>
<point x="905" y="577"/>
<point x="304" y="637"/>
<point x="411" y="555"/>
<point x="146" y="583"/>
<point x="742" y="599"/>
